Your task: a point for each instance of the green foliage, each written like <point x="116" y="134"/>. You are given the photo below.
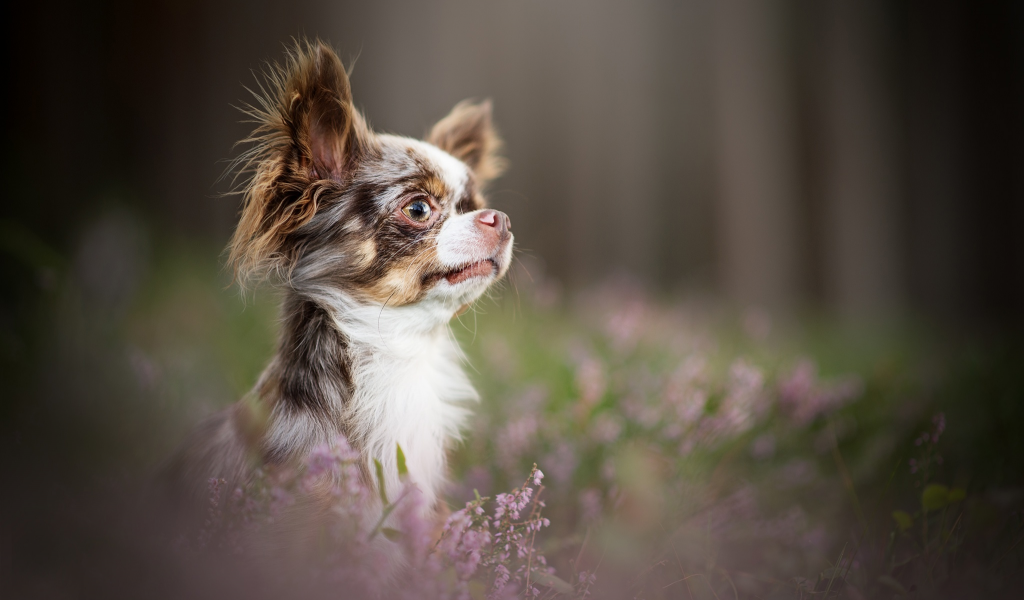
<point x="400" y="459"/>
<point x="934" y="497"/>
<point x="903" y="520"/>
<point x="392" y="534"/>
<point x="381" y="486"/>
<point x="551" y="581"/>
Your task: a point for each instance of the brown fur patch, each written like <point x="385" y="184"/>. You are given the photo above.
<point x="403" y="283"/>
<point x="308" y="137"/>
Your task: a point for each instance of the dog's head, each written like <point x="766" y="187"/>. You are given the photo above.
<point x="331" y="205"/>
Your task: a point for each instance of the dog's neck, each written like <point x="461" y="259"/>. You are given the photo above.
<point x="382" y="376"/>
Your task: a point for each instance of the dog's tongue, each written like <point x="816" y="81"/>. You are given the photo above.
<point x="476" y="269"/>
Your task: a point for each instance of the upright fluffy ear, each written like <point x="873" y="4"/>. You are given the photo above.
<point x="326" y="131"/>
<point x="468" y="135"/>
<point x="308" y="139"/>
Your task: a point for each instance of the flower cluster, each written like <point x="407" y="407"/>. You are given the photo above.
<point x="584" y="580"/>
<point x="465" y="538"/>
<point x="502" y="542"/>
<point x="928" y="442"/>
<point x="640" y="379"/>
<point x="496" y="546"/>
<point x="641" y="391"/>
<point x="804" y="397"/>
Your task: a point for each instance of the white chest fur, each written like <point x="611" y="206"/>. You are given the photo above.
<point x="412" y="395"/>
<point x="409" y="388"/>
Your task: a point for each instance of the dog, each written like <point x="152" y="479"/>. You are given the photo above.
<point x="376" y="242"/>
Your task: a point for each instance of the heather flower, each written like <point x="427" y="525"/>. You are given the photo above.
<point x="280" y="498"/>
<point x="928" y="440"/>
<point x="624" y="325"/>
<point x="636" y="409"/>
<point x="563" y="463"/>
<point x="501" y="578"/>
<point x="514" y="535"/>
<point x="464" y="544"/>
<point x="744" y="395"/>
<point x="585" y="579"/>
<point x="805" y="397"/>
<point x="605" y="428"/>
<point x="684" y="397"/>
<point x="690" y="406"/>
<point x="621" y="401"/>
<point x="416" y="530"/>
<point x="473" y="539"/>
<point x="690" y="373"/>
<point x="763" y="446"/>
<point x="590" y="380"/>
<point x="744" y="400"/>
<point x="590" y="505"/>
<point x="939" y="422"/>
<point x="515" y="438"/>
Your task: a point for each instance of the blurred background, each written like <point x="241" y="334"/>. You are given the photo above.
<point x="864" y="159"/>
<point x="851" y="171"/>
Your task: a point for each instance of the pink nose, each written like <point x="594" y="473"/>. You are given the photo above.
<point x="495" y="219"/>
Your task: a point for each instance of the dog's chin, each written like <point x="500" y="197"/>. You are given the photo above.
<point x="481" y="269"/>
<point x="463" y="284"/>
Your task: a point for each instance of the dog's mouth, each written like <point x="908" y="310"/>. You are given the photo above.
<point x="481" y="268"/>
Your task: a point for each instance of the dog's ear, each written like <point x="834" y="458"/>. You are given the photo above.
<point x="327" y="133"/>
<point x="308" y="139"/>
<point x="468" y="134"/>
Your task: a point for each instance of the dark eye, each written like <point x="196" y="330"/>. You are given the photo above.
<point x="417" y="210"/>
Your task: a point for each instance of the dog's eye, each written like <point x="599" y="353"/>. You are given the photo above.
<point x="417" y="210"/>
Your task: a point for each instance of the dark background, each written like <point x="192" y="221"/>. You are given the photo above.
<point x="864" y="159"/>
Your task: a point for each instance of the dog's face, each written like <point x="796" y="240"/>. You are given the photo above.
<point x="386" y="219"/>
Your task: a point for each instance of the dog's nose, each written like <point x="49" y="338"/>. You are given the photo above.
<point x="495" y="219"/>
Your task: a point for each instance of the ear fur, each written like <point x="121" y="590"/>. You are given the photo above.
<point x="468" y="134"/>
<point x="307" y="139"/>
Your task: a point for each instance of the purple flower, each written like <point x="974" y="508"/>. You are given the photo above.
<point x="590" y="505"/>
<point x="591" y="381"/>
<point x="583" y="583"/>
<point x="805" y="397"/>
<point x="515" y="438"/>
<point x="939" y="421"/>
<point x="624" y="325"/>
<point x="563" y="460"/>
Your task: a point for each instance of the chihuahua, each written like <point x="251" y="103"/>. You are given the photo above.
<point x="376" y="241"/>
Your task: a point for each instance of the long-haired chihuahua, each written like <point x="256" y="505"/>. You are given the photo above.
<point x="376" y="241"/>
